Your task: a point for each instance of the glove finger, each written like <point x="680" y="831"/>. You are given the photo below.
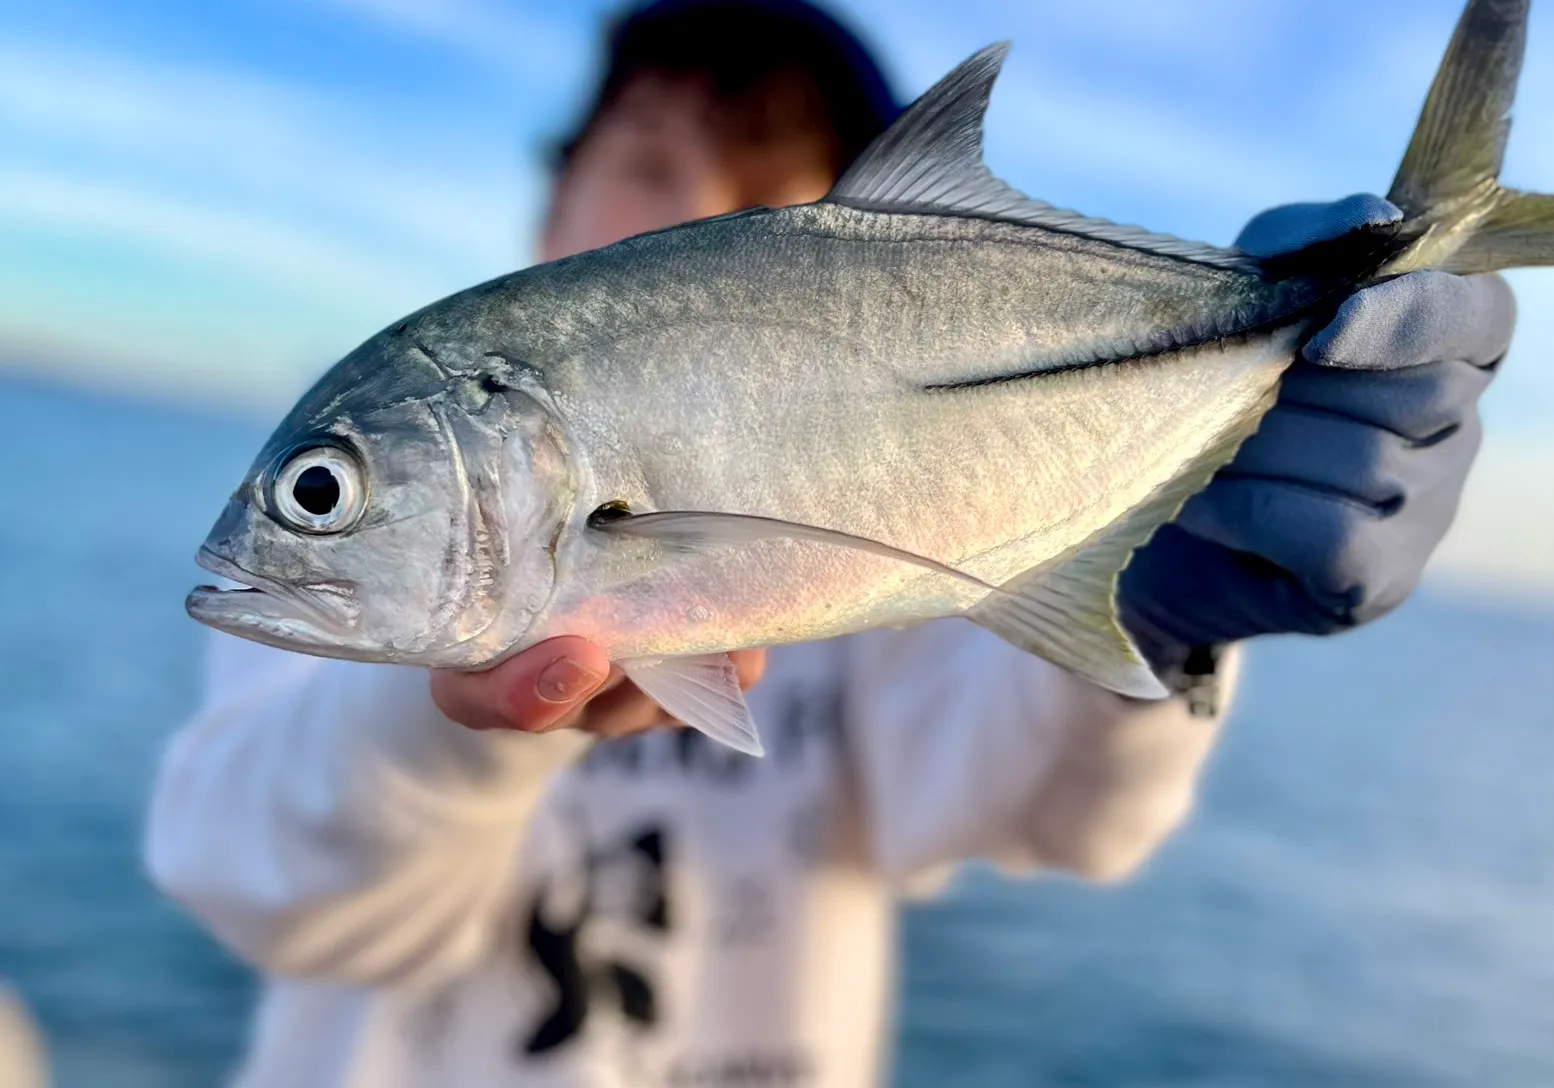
<point x="1355" y="560"/>
<point x="1423" y="317"/>
<point x="1163" y="591"/>
<point x="1420" y="403"/>
<point x="1406" y="540"/>
<point x="1325" y="540"/>
<point x="1291" y="228"/>
<point x="1327" y="453"/>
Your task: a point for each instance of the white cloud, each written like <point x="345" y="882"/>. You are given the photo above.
<point x="283" y="251"/>
<point x="537" y="43"/>
<point x="354" y="210"/>
<point x="248" y="140"/>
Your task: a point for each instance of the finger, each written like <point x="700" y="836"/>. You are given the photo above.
<point x="1329" y="453"/>
<point x="530" y="692"/>
<point x="1423" y="317"/>
<point x="1356" y="560"/>
<point x="1165" y="585"/>
<point x="750" y="665"/>
<point x="621" y="712"/>
<point x="1420" y="403"/>
<point x="1324" y="541"/>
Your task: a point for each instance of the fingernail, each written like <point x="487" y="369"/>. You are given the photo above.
<point x="565" y="680"/>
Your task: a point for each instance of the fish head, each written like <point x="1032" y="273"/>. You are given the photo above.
<point x="400" y="513"/>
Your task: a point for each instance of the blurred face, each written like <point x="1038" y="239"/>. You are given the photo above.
<point x="659" y="157"/>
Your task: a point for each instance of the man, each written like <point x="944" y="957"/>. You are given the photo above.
<point x="452" y="884"/>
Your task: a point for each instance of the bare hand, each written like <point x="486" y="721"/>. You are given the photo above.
<point x="563" y="683"/>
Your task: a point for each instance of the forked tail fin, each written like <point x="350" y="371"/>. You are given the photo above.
<point x="1459" y="217"/>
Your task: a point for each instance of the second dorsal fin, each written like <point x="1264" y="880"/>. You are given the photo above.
<point x="930" y="161"/>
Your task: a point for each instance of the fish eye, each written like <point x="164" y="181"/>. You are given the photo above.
<point x="320" y="490"/>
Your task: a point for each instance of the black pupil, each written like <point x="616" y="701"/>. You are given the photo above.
<point x="316" y="490"/>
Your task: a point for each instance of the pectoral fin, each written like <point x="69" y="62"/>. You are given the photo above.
<point x="1064" y="612"/>
<point x="693" y="530"/>
<point x="703" y="692"/>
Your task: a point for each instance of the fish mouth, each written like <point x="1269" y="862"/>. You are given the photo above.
<point x="269" y="611"/>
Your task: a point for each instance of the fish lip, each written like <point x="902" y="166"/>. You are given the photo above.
<point x="295" y="603"/>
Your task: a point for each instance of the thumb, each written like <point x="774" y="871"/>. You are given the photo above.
<point x="1290" y="228"/>
<point x="530" y="692"/>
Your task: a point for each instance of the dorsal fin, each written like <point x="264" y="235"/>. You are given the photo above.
<point x="930" y="161"/>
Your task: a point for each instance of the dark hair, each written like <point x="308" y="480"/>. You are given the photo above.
<point x="771" y="64"/>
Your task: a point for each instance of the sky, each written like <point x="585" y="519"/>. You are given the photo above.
<point x="214" y="200"/>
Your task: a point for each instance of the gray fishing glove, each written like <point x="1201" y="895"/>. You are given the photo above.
<point x="1327" y="515"/>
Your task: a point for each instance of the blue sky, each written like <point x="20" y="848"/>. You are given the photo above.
<point x="215" y="200"/>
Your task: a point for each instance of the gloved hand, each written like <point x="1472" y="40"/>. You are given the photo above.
<point x="1327" y="515"/>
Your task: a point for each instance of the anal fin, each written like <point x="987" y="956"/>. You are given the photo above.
<point x="1066" y="609"/>
<point x="1068" y="615"/>
<point x="703" y="692"/>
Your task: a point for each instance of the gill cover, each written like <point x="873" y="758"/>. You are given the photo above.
<point x="380" y="526"/>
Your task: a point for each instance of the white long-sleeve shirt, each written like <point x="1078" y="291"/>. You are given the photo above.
<point x="23" y="1063"/>
<point x="438" y="907"/>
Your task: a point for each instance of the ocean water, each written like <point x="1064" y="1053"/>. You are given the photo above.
<point x="1364" y="896"/>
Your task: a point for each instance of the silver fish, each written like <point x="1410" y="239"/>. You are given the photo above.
<point x="926" y="395"/>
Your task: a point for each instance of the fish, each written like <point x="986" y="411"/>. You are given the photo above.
<point x="925" y="395"/>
